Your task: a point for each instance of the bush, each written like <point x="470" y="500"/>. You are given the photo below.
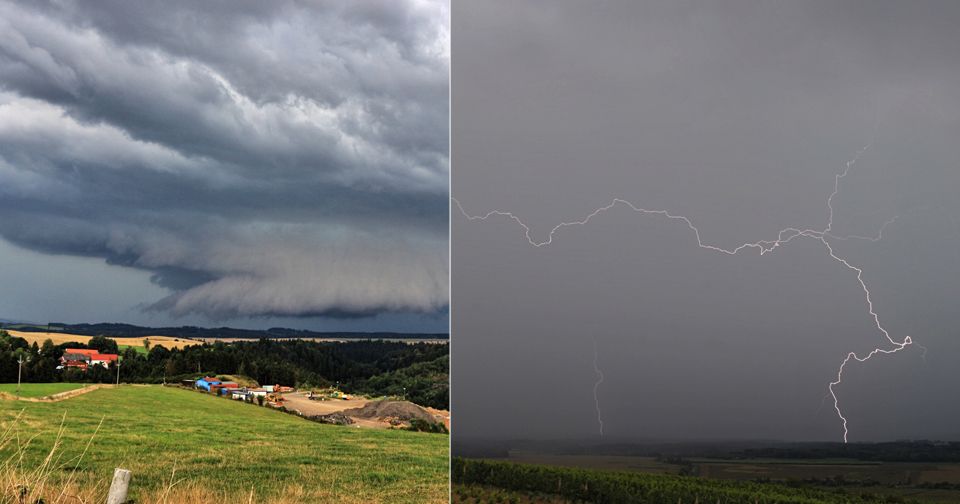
<point x="419" y="425"/>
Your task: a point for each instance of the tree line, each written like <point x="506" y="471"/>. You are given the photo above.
<point x="889" y="451"/>
<point x="419" y="370"/>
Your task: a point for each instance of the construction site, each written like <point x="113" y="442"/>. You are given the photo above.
<point x="328" y="405"/>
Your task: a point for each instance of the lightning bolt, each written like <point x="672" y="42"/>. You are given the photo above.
<point x="785" y="236"/>
<point x="596" y="385"/>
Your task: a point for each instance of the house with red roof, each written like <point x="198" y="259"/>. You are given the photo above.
<point x="82" y="358"/>
<point x="101" y="359"/>
<point x="74" y="361"/>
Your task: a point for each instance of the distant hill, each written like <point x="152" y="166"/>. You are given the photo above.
<point x="15" y="322"/>
<point x="131" y="331"/>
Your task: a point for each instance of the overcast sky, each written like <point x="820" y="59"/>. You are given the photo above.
<point x="737" y="115"/>
<point x="245" y="163"/>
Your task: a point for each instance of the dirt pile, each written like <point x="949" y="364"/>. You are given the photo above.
<point x="391" y="410"/>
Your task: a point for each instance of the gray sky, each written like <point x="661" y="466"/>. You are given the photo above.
<point x="737" y="115"/>
<point x="242" y="163"/>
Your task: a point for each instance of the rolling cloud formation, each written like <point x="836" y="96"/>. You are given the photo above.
<point x="258" y="158"/>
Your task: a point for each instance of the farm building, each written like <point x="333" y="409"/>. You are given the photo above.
<point x="82" y="358"/>
<point x="72" y="359"/>
<point x="205" y="383"/>
<point x="99" y="359"/>
<point x="222" y="387"/>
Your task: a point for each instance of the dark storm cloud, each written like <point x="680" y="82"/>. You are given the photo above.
<point x="260" y="159"/>
<point x="738" y="115"/>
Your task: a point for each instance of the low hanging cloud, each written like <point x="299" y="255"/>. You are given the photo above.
<point x="259" y="159"/>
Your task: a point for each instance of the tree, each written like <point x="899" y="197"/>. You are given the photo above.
<point x="103" y="345"/>
<point x="74" y="375"/>
<point x="48" y="349"/>
<point x="169" y="367"/>
<point x="130" y="354"/>
<point x="157" y="355"/>
<point x="146" y="343"/>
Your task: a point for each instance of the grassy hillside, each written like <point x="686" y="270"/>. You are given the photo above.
<point x="222" y="451"/>
<point x="39" y="389"/>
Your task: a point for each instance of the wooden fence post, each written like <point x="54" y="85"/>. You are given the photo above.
<point x="118" y="487"/>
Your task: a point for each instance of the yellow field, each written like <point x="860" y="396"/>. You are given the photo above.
<point x="58" y="338"/>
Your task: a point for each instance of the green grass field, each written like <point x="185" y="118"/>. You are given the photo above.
<point x="139" y="348"/>
<point x="39" y="389"/>
<point x="223" y="450"/>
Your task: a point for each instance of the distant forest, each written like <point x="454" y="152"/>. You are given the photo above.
<point x="131" y="331"/>
<point x="677" y="452"/>
<point x="417" y="370"/>
<point x="891" y="451"/>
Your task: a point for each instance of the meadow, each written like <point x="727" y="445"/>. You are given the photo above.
<point x="186" y="447"/>
<point x="140" y="349"/>
<point x="39" y="389"/>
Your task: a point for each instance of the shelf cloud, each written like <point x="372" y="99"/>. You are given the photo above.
<point x="258" y="159"/>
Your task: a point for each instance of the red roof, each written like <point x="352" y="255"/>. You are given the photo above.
<point x="104" y="357"/>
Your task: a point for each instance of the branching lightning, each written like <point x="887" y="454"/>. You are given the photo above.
<point x="785" y="236"/>
<point x="596" y="385"/>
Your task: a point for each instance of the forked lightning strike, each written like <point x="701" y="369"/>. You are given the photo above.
<point x="785" y="236"/>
